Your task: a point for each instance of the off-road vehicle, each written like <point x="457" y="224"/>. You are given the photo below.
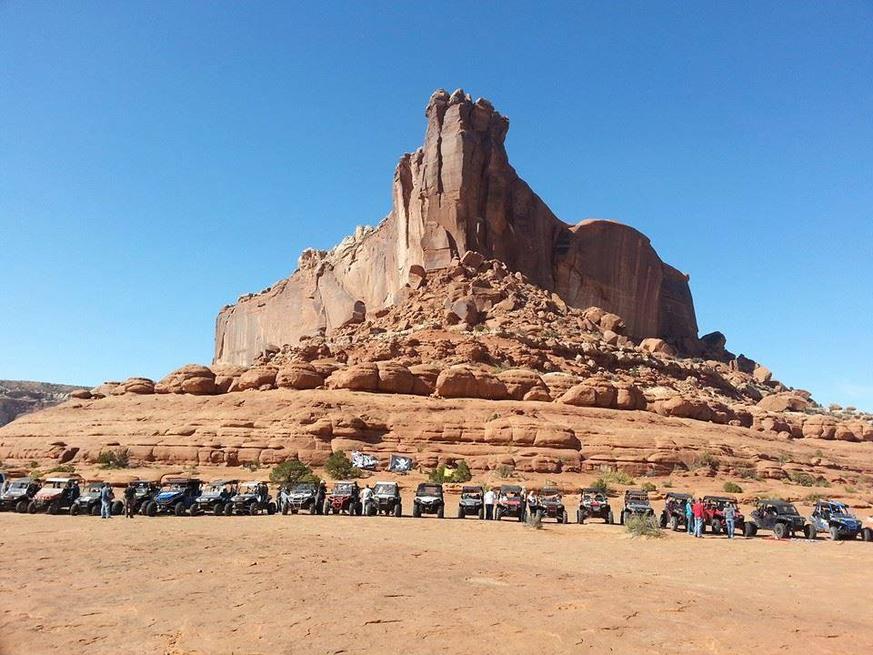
<point x="636" y="503"/>
<point x="251" y="498"/>
<point x="144" y="491"/>
<point x="471" y="502"/>
<point x="214" y="497"/>
<point x="176" y="496"/>
<point x="593" y="503"/>
<point x="385" y="499"/>
<point x="713" y="514"/>
<point x="550" y="504"/>
<point x="510" y="502"/>
<point x="89" y="501"/>
<point x="429" y="500"/>
<point x="837" y="520"/>
<point x="299" y="497"/>
<point x="56" y="495"/>
<point x="673" y="513"/>
<point x="17" y="494"/>
<point x="779" y="516"/>
<point x="344" y="497"/>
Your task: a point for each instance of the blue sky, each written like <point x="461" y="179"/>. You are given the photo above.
<point x="158" y="159"/>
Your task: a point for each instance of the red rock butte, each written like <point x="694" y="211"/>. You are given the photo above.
<point x="459" y="193"/>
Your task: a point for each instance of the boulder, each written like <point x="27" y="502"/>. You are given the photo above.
<point x="143" y="386"/>
<point x="191" y="378"/>
<point x="298" y="375"/>
<point x="657" y="347"/>
<point x="425" y="378"/>
<point x="395" y="378"/>
<point x="461" y="381"/>
<point x="358" y="377"/>
<point x="559" y="383"/>
<point x="590" y="393"/>
<point x="258" y="377"/>
<point x="81" y="394"/>
<point x="227" y="377"/>
<point x="104" y="390"/>
<point x="762" y="374"/>
<point x="520" y="382"/>
<point x="787" y="401"/>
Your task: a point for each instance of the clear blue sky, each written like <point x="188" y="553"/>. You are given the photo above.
<point x="159" y="159"/>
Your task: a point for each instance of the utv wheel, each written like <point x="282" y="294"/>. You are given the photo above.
<point x="218" y="509"/>
<point x="867" y="534"/>
<point x="95" y="510"/>
<point x="228" y="509"/>
<point x="674" y="523"/>
<point x="271" y="508"/>
<point x="497" y="513"/>
<point x="117" y="508"/>
<point x="32" y="508"/>
<point x="809" y="531"/>
<point x="54" y="508"/>
<point x="21" y="507"/>
<point x="622" y="519"/>
<point x="179" y="509"/>
<point x="195" y="510"/>
<point x="834" y="533"/>
<point x="564" y="518"/>
<point x="481" y="513"/>
<point x="398" y="510"/>
<point x="151" y="509"/>
<point x="579" y="518"/>
<point x="254" y="509"/>
<point x="663" y="520"/>
<point x="749" y="530"/>
<point x="780" y="531"/>
<point x="441" y="512"/>
<point x="416" y="511"/>
<point x="371" y="510"/>
<point x="716" y="527"/>
<point x="610" y="519"/>
<point x="74" y="509"/>
<point x="461" y="512"/>
<point x="313" y="508"/>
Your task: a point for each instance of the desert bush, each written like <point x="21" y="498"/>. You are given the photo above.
<point x="460" y="474"/>
<point x="505" y="471"/>
<point x="732" y="488"/>
<point x="851" y="490"/>
<point x="601" y="485"/>
<point x="618" y="477"/>
<point x="747" y="473"/>
<point x="648" y="486"/>
<point x="801" y="478"/>
<point x="339" y="467"/>
<point x="668" y="484"/>
<point x="62" y="468"/>
<point x="114" y="459"/>
<point x="292" y="471"/>
<point x="643" y="526"/>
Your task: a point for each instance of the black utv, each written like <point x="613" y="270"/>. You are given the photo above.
<point x="214" y="497"/>
<point x="17" y="494"/>
<point x="144" y="491"/>
<point x="674" y="511"/>
<point x="429" y="500"/>
<point x="251" y="498"/>
<point x="385" y="500"/>
<point x="471" y="502"/>
<point x="779" y="516"/>
<point x="550" y="504"/>
<point x="636" y="503"/>
<point x="89" y="501"/>
<point x="176" y="496"/>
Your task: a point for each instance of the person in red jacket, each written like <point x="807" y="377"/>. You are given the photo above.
<point x="697" y="512"/>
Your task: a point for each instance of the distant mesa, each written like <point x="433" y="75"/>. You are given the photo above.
<point x="459" y="193"/>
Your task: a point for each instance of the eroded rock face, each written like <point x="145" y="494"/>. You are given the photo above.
<point x="457" y="197"/>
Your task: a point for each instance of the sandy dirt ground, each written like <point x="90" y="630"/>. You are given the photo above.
<point x="337" y="584"/>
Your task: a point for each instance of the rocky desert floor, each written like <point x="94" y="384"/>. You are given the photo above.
<point x="313" y="584"/>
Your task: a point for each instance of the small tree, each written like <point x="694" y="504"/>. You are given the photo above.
<point x="292" y="471"/>
<point x="732" y="488"/>
<point x="462" y="472"/>
<point x="114" y="459"/>
<point x="339" y="467"/>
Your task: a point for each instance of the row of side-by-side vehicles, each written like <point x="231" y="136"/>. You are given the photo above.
<point x="182" y="496"/>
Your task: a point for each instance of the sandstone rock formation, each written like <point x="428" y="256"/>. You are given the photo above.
<point x="19" y="397"/>
<point x="458" y="193"/>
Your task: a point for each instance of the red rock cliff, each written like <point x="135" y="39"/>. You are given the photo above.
<point x="456" y="193"/>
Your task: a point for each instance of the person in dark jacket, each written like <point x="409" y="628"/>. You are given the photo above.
<point x="129" y="496"/>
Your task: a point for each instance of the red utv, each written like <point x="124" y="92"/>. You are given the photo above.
<point x="713" y="513"/>
<point x="510" y="502"/>
<point x="345" y="497"/>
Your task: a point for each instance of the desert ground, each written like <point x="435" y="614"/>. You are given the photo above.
<point x="336" y="584"/>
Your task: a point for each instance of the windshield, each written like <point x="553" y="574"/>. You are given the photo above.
<point x="344" y="489"/>
<point x="841" y="510"/>
<point x="173" y="486"/>
<point x="19" y="484"/>
<point x="302" y="488"/>
<point x="636" y="498"/>
<point x="784" y="509"/>
<point x="429" y="490"/>
<point x="384" y="489"/>
<point x="248" y="488"/>
<point x="597" y="498"/>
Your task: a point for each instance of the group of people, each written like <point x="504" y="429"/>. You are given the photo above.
<point x="695" y="516"/>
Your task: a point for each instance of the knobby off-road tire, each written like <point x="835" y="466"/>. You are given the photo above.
<point x="398" y="510"/>
<point x="21" y="507"/>
<point x="54" y="508"/>
<point x="179" y="509"/>
<point x="416" y="511"/>
<point x="610" y="519"/>
<point x="31" y="507"/>
<point x="867" y="534"/>
<point x="749" y="530"/>
<point x="674" y="523"/>
<point x="441" y="512"/>
<point x="95" y="510"/>
<point x="564" y="518"/>
<point x="228" y="509"/>
<point x="580" y="517"/>
<point x="151" y="509"/>
<point x="461" y="513"/>
<point x="780" y="531"/>
<point x="834" y="533"/>
<point x="271" y="509"/>
<point x="663" y="521"/>
<point x="716" y="527"/>
<point x="74" y="509"/>
<point x="218" y="509"/>
<point x="253" y="509"/>
<point x="809" y="531"/>
<point x="117" y="508"/>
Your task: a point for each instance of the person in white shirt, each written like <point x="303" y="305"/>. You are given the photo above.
<point x="366" y="494"/>
<point x="489" y="504"/>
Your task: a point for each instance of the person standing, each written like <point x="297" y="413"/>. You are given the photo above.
<point x="106" y="501"/>
<point x="320" y="495"/>
<point x="489" y="504"/>
<point x="366" y="499"/>
<point x="689" y="516"/>
<point x="730" y="515"/>
<point x="129" y="497"/>
<point x="697" y="511"/>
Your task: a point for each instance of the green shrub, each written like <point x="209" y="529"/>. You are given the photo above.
<point x="505" y="471"/>
<point x="708" y="460"/>
<point x="643" y="526"/>
<point x="114" y="459"/>
<point x="648" y="486"/>
<point x="339" y="467"/>
<point x="851" y="490"/>
<point x="460" y="474"/>
<point x="668" y="484"/>
<point x="618" y="477"/>
<point x="801" y="478"/>
<point x="732" y="488"/>
<point x="747" y="473"/>
<point x="292" y="471"/>
<point x="602" y="486"/>
<point x="62" y="468"/>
